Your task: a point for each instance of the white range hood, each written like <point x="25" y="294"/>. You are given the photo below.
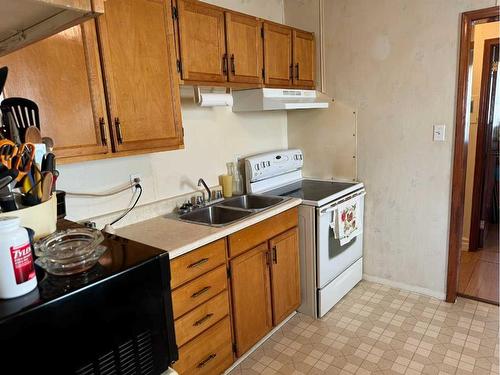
<point x="23" y="22"/>
<point x="278" y="99"/>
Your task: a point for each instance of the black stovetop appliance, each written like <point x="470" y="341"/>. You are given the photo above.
<point x="114" y="319"/>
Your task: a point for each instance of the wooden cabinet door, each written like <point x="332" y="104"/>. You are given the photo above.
<point x="251" y="300"/>
<point x="244" y="48"/>
<point x="285" y="274"/>
<point x="202" y="42"/>
<point x="277" y="55"/>
<point x="141" y="82"/>
<point x="62" y="75"/>
<point x="303" y="58"/>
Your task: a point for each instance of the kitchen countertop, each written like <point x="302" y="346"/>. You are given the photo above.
<point x="179" y="237"/>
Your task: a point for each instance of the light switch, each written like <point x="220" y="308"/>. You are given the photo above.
<point x="439" y="131"/>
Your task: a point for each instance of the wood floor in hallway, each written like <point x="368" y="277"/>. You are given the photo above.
<point x="479" y="270"/>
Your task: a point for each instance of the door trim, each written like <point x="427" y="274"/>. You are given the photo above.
<point x="460" y="149"/>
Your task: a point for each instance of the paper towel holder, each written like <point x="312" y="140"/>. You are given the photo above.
<point x="197" y="94"/>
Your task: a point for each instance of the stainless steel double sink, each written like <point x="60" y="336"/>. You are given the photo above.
<point x="231" y="210"/>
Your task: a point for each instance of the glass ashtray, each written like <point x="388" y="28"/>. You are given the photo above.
<point x="65" y="269"/>
<point x="69" y="246"/>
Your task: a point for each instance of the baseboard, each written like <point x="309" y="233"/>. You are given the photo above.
<point x="256" y="346"/>
<point x="407" y="287"/>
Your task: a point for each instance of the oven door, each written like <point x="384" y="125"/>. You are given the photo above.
<point x="332" y="258"/>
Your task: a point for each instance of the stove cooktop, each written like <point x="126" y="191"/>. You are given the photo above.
<point x="316" y="192"/>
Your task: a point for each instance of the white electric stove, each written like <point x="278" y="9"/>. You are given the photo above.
<point x="328" y="269"/>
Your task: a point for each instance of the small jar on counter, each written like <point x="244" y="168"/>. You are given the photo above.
<point x="17" y="270"/>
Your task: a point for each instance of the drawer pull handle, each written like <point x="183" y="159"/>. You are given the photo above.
<point x="118" y="127"/>
<point x="200" y="292"/>
<point x="202" y="320"/>
<point x="198" y="263"/>
<point x="206" y="360"/>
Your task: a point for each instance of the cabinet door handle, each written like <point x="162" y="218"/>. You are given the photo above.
<point x="206" y="360"/>
<point x="233" y="66"/>
<point x="202" y="320"/>
<point x="118" y="127"/>
<point x="297" y="71"/>
<point x="104" y="140"/>
<point x="291" y="71"/>
<point x="268" y="258"/>
<point x="198" y="263"/>
<point x="224" y="64"/>
<point x="275" y="255"/>
<point x="200" y="292"/>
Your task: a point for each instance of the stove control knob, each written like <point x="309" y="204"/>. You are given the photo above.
<point x="257" y="167"/>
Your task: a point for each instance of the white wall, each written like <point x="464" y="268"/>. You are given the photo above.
<point x="213" y="136"/>
<point x="327" y="137"/>
<point x="395" y="62"/>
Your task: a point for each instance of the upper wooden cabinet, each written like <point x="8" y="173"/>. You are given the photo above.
<point x="244" y="48"/>
<point x="62" y="75"/>
<point x="141" y="84"/>
<point x="65" y="76"/>
<point x="277" y="55"/>
<point x="303" y="58"/>
<point x="202" y="42"/>
<point x="217" y="46"/>
<point x="220" y="47"/>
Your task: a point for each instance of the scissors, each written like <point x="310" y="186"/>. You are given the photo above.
<point x="8" y="150"/>
<point x="18" y="159"/>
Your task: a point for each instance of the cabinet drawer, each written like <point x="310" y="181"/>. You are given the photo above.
<point x="201" y="318"/>
<point x="210" y="353"/>
<point x="197" y="262"/>
<point x="250" y="237"/>
<point x="198" y="291"/>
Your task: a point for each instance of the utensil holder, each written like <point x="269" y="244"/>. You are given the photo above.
<point x="42" y="218"/>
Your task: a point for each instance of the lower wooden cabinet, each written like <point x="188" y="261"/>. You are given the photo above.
<point x="198" y="291"/>
<point x="201" y="310"/>
<point x="210" y="353"/>
<point x="251" y="294"/>
<point x="265" y="280"/>
<point x="216" y="319"/>
<point x="285" y="274"/>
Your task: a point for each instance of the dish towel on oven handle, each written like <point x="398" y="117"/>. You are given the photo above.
<point x="346" y="220"/>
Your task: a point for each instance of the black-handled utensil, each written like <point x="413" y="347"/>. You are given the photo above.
<point x="49" y="162"/>
<point x="4" y="72"/>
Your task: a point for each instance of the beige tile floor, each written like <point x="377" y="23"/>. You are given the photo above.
<point x="380" y="330"/>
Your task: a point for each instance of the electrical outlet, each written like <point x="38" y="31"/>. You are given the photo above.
<point x="135" y="179"/>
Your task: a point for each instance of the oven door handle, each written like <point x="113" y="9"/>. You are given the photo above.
<point x="333" y="207"/>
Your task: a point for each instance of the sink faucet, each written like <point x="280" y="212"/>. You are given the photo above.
<point x="202" y="182"/>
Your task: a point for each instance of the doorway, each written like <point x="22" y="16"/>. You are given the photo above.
<point x="473" y="267"/>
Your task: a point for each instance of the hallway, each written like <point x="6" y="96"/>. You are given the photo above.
<point x="479" y="270"/>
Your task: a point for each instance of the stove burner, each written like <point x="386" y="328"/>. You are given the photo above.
<point x="311" y="190"/>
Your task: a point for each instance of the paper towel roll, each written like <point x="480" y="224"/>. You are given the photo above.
<point x="216" y="100"/>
